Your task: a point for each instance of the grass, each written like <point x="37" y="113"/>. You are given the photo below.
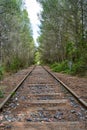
<point x="13" y="93"/>
<point x="1" y="94"/>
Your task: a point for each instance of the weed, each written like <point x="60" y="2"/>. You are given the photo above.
<point x="1" y="94"/>
<point x="13" y="93"/>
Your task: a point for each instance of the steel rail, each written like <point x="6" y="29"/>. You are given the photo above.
<point x="81" y="101"/>
<point x="14" y="90"/>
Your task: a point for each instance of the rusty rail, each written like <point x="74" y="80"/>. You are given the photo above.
<point x="14" y="90"/>
<point x="81" y="101"/>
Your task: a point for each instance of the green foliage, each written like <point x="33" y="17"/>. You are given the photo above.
<point x="37" y="58"/>
<point x="15" y="65"/>
<point x="13" y="94"/>
<point x="1" y="72"/>
<point x="70" y="50"/>
<point x="17" y="49"/>
<point x="1" y="94"/>
<point x="60" y="67"/>
<point x="63" y="35"/>
<point x="78" y="67"/>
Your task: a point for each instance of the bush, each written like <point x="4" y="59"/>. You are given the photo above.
<point x="54" y="65"/>
<point x="60" y="67"/>
<point x="15" y="65"/>
<point x="78" y="68"/>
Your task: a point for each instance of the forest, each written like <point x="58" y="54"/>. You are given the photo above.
<point x="17" y="46"/>
<point x="62" y="41"/>
<point x="63" y="35"/>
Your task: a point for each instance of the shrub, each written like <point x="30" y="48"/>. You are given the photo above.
<point x="54" y="65"/>
<point x="78" y="68"/>
<point x="60" y="67"/>
<point x="15" y="65"/>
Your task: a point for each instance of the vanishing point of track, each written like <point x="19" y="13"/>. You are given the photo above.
<point x="41" y="101"/>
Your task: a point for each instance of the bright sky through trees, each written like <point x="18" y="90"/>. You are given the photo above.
<point x="33" y="9"/>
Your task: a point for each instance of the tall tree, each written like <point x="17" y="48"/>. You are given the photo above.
<point x="16" y="39"/>
<point x="63" y="29"/>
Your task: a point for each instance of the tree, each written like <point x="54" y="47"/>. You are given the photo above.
<point x="63" y="24"/>
<point x="15" y="35"/>
<point x="63" y="31"/>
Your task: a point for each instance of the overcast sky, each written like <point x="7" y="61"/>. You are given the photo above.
<point x="33" y="9"/>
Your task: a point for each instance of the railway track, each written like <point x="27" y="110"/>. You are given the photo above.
<point x="42" y="102"/>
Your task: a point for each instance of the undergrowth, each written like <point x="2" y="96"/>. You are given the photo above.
<point x="77" y="68"/>
<point x="15" y="65"/>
